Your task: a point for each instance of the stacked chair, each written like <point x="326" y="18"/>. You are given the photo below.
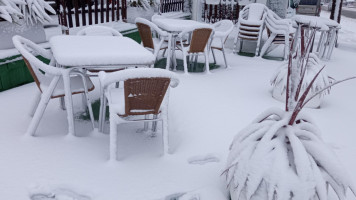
<point x="280" y="32"/>
<point x="250" y="25"/>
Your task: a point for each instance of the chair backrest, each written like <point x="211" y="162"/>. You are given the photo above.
<point x="223" y="28"/>
<point x="99" y="30"/>
<point x="146" y="35"/>
<point x="76" y="13"/>
<point x="144" y="89"/>
<point x="256" y="11"/>
<point x="200" y="38"/>
<point x="38" y="69"/>
<point x="144" y="95"/>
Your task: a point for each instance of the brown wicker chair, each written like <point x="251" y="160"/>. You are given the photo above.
<point x="198" y="45"/>
<point x="143" y="95"/>
<point x="51" y="81"/>
<point x="154" y="44"/>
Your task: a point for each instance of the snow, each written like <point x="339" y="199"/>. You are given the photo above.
<point x="99" y="51"/>
<point x="205" y="113"/>
<point x="176" y="25"/>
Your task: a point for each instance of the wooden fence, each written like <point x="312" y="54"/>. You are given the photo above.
<point x="171" y="6"/>
<point x="76" y="13"/>
<point x="227" y="9"/>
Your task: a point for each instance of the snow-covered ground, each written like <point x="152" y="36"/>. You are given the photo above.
<point x="205" y="112"/>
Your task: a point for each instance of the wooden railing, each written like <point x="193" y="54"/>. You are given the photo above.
<point x="76" y="13"/>
<point x="227" y="9"/>
<point x="171" y="6"/>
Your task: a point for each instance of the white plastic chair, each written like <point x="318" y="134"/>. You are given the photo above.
<point x="250" y="25"/>
<point x="222" y="29"/>
<point x="199" y="45"/>
<point x="99" y="31"/>
<point x="280" y="31"/>
<point x="145" y="93"/>
<point x="154" y="44"/>
<point x="53" y="82"/>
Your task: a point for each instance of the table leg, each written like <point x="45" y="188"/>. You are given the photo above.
<point x="174" y="53"/>
<point x="169" y="54"/>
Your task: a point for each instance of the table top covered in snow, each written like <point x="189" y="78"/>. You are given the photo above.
<point x="176" y="25"/>
<point x="99" y="51"/>
<point x="315" y="21"/>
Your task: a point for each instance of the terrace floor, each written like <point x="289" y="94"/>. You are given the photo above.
<point x="205" y="112"/>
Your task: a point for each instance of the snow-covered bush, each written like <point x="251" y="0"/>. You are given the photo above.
<point x="146" y="4"/>
<point x="9" y="10"/>
<point x="281" y="155"/>
<point x="32" y="11"/>
<point x="312" y="67"/>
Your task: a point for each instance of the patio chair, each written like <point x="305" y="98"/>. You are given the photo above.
<point x="280" y="31"/>
<point x="250" y="25"/>
<point x="51" y="81"/>
<point x="200" y="38"/>
<point x="99" y="31"/>
<point x="222" y="30"/>
<point x="145" y="93"/>
<point x="154" y="44"/>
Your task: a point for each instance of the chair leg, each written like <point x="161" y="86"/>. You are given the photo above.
<point x="90" y="109"/>
<point x="154" y="126"/>
<point x="113" y="138"/>
<point x="165" y="137"/>
<point x="46" y="96"/>
<point x="212" y="50"/>
<point x="36" y="101"/>
<point x="207" y="70"/>
<point x="185" y="61"/>
<point x="62" y="103"/>
<point x="258" y="47"/>
<point x="224" y="55"/>
<point x="145" y="126"/>
<point x="103" y="114"/>
<point x="196" y="61"/>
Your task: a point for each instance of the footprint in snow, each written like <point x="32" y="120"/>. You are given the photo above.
<point x="201" y="160"/>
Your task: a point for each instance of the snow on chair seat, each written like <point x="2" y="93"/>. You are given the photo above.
<point x="51" y="81"/>
<point x="145" y="93"/>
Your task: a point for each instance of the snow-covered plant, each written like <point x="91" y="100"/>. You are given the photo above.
<point x="32" y="11"/>
<point x="281" y="155"/>
<point x="312" y="67"/>
<point x="145" y="4"/>
<point x="10" y="11"/>
<point x="35" y="11"/>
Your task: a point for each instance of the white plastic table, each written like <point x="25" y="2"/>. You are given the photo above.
<point x="95" y="52"/>
<point x="324" y="25"/>
<point x="99" y="51"/>
<point x="174" y="26"/>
